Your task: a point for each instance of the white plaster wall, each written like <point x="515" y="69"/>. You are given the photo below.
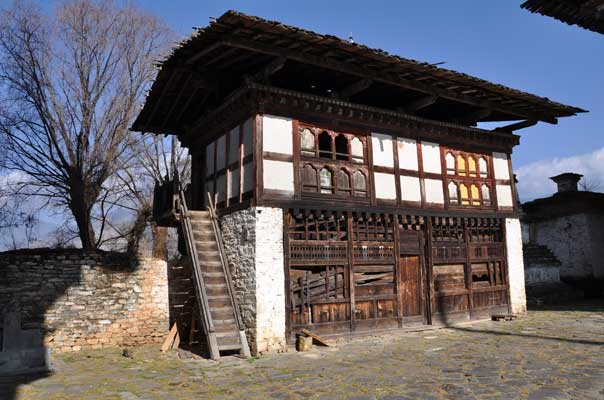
<point x="500" y="164"/>
<point x="431" y="157"/>
<point x="277" y="135"/>
<point x="434" y="191"/>
<point x="407" y="154"/>
<point x="221" y="153"/>
<point x="221" y="187"/>
<point x="278" y="175"/>
<point x="234" y="183"/>
<point x="513" y="238"/>
<point x="248" y="130"/>
<point x="248" y="177"/>
<point x="384" y="186"/>
<point x="410" y="189"/>
<point x="210" y="158"/>
<point x="270" y="280"/>
<point x="234" y="145"/>
<point x="382" y="150"/>
<point x="504" y="196"/>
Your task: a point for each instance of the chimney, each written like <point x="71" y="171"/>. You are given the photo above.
<point x="567" y="182"/>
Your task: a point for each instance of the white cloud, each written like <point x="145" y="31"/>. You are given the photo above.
<point x="534" y="182"/>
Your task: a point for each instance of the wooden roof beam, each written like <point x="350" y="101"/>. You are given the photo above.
<point x="476" y="116"/>
<point x="518" y="125"/>
<point x="418" y="104"/>
<point x="355" y="88"/>
<point x="377" y="76"/>
<point x="268" y="70"/>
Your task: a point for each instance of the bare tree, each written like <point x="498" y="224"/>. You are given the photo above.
<point x="588" y="184"/>
<point x="158" y="160"/>
<point x="70" y="84"/>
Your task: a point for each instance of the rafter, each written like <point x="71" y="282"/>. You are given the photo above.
<point x="355" y="88"/>
<point x="420" y="103"/>
<point x="518" y="125"/>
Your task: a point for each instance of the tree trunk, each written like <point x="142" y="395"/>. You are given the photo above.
<point x="160" y="241"/>
<point x="137" y="231"/>
<point x="82" y="214"/>
<point x="81" y="208"/>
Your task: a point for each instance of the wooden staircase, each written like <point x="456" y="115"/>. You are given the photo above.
<point x="218" y="308"/>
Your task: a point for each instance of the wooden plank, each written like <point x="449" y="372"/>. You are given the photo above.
<point x="316" y="337"/>
<point x="167" y="345"/>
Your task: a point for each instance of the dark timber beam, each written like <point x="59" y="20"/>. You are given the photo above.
<point x="355" y="88"/>
<point x="268" y="70"/>
<point x="476" y="116"/>
<point x="418" y="104"/>
<point x="377" y="76"/>
<point x="518" y="125"/>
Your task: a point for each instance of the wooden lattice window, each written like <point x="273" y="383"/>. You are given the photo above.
<point x="461" y="165"/>
<point x="325" y="145"/>
<point x="341" y="145"/>
<point x="482" y="167"/>
<point x="359" y="184"/>
<point x="472" y="170"/>
<point x="450" y="162"/>
<point x="453" y="197"/>
<point x="356" y="150"/>
<point x="343" y="183"/>
<point x="307" y="143"/>
<point x="326" y="180"/>
<point x="486" y="195"/>
<point x="309" y="179"/>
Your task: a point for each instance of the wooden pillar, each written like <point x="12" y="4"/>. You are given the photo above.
<point x="351" y="270"/>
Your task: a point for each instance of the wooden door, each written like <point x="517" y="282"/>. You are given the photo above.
<point x="410" y="285"/>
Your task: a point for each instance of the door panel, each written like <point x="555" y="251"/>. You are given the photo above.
<point x="410" y="286"/>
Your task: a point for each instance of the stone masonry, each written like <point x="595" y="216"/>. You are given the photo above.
<point x="85" y="299"/>
<point x="253" y="241"/>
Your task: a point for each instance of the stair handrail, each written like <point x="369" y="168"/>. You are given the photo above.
<point x="224" y="262"/>
<point x="204" y="307"/>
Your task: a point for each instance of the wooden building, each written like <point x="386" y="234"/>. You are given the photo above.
<point x="353" y="188"/>
<point x="588" y="14"/>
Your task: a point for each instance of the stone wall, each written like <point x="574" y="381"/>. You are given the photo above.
<point x="513" y="239"/>
<point x="85" y="299"/>
<point x="570" y="239"/>
<point x="253" y="241"/>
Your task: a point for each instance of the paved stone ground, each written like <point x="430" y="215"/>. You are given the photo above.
<point x="549" y="354"/>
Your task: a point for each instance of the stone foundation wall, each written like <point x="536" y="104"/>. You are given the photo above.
<point x="253" y="240"/>
<point x="85" y="299"/>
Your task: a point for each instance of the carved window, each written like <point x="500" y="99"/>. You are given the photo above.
<point x="309" y="179"/>
<point x="325" y="145"/>
<point x="486" y="195"/>
<point x="343" y="183"/>
<point x="307" y="143"/>
<point x="482" y="167"/>
<point x="464" y="194"/>
<point x="341" y="147"/>
<point x="453" y="196"/>
<point x="471" y="166"/>
<point x="356" y="148"/>
<point x="475" y="195"/>
<point x="326" y="180"/>
<point x="359" y="184"/>
<point x="450" y="162"/>
<point x="461" y="165"/>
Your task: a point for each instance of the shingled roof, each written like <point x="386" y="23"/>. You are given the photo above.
<point x="588" y="14"/>
<point x="235" y="46"/>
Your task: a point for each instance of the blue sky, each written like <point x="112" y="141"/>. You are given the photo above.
<point x="493" y="40"/>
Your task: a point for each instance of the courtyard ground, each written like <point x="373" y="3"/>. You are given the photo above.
<point x="548" y="354"/>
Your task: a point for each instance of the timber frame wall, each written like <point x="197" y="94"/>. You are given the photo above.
<point x="360" y="262"/>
